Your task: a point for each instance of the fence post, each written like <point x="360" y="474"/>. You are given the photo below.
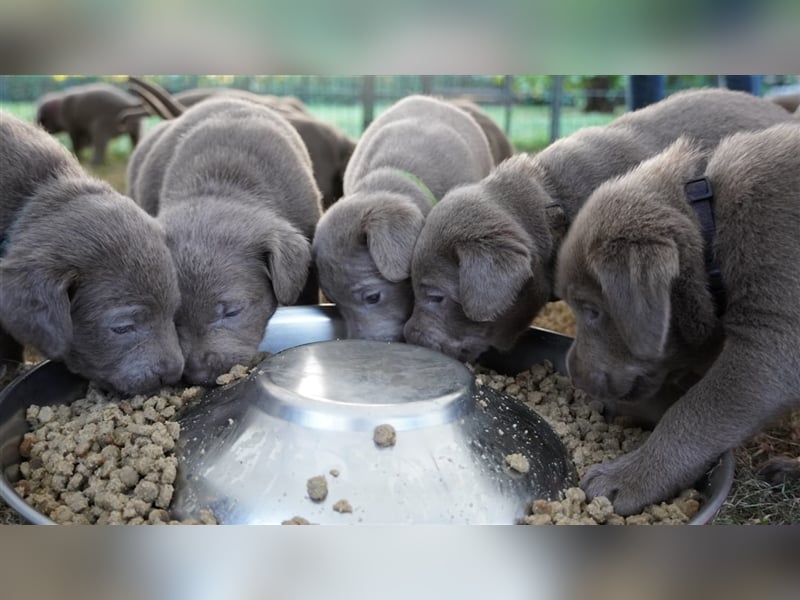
<point x="508" y="98"/>
<point x="645" y="89"/>
<point x="368" y="98"/>
<point x="555" y="108"/>
<point x="427" y="84"/>
<point x="744" y="83"/>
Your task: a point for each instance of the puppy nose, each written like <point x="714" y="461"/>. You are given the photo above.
<point x="589" y="379"/>
<point x="200" y="369"/>
<point x="593" y="381"/>
<point x="170" y="369"/>
<point x="411" y="335"/>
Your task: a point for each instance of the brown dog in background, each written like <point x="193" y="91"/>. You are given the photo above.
<point x="632" y="269"/>
<point x="499" y="144"/>
<point x="91" y="114"/>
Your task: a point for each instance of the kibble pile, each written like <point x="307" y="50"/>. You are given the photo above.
<point x="589" y="439"/>
<point x="105" y="460"/>
<point x="556" y="316"/>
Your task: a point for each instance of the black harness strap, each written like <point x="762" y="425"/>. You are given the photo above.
<point x="701" y="198"/>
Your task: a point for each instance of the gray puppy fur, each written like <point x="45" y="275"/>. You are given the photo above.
<point x="484" y="261"/>
<point x="499" y="143"/>
<point x="632" y="269"/>
<point x="411" y="155"/>
<point x="328" y="146"/>
<point x="86" y="275"/>
<point x="92" y="114"/>
<point x="239" y="204"/>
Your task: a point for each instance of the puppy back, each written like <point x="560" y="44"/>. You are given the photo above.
<point x="239" y="151"/>
<point x="435" y="141"/>
<point x="755" y="177"/>
<point x="706" y="115"/>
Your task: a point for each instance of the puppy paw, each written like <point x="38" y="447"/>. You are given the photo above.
<point x="779" y="470"/>
<point x="629" y="482"/>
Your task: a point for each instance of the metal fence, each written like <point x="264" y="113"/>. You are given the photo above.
<point x="533" y="110"/>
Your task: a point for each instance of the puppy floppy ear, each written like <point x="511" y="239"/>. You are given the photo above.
<point x="492" y="271"/>
<point x="35" y="308"/>
<point x="637" y="286"/>
<point x="392" y="231"/>
<point x="288" y="258"/>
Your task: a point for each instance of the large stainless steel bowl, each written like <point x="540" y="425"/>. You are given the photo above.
<point x="247" y="449"/>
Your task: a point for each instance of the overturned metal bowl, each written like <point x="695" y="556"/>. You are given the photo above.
<point x="248" y="449"/>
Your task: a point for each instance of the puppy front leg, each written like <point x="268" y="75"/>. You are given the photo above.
<point x="738" y="394"/>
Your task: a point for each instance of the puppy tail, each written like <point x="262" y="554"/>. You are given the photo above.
<point x="156" y="98"/>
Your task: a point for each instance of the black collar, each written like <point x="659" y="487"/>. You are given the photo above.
<point x="701" y="199"/>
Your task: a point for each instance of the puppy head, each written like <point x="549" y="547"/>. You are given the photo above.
<point x="631" y="270"/>
<point x="233" y="271"/>
<point x="477" y="276"/>
<point x="94" y="286"/>
<point x="48" y="113"/>
<point x="362" y="249"/>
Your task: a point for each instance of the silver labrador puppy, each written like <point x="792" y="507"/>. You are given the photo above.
<point x="328" y="146"/>
<point x="632" y="268"/>
<point x="484" y="261"/>
<point x="238" y="200"/>
<point x="86" y="275"/>
<point x="406" y="160"/>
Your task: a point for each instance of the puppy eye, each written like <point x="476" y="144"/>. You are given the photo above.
<point x="435" y="298"/>
<point x="373" y="298"/>
<point x="591" y="312"/>
<point x="226" y="311"/>
<point x="123" y="329"/>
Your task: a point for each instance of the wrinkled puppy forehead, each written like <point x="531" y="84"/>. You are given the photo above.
<point x="604" y="219"/>
<point x="460" y="216"/>
<point x="340" y="229"/>
<point x="116" y="241"/>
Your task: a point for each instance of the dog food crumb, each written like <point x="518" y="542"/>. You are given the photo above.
<point x="296" y="521"/>
<point x="518" y="462"/>
<point x="317" y="488"/>
<point x="572" y="509"/>
<point x="106" y="460"/>
<point x="334" y="472"/>
<point x="590" y="439"/>
<point x="342" y="506"/>
<point x="237" y="372"/>
<point x="384" y="436"/>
